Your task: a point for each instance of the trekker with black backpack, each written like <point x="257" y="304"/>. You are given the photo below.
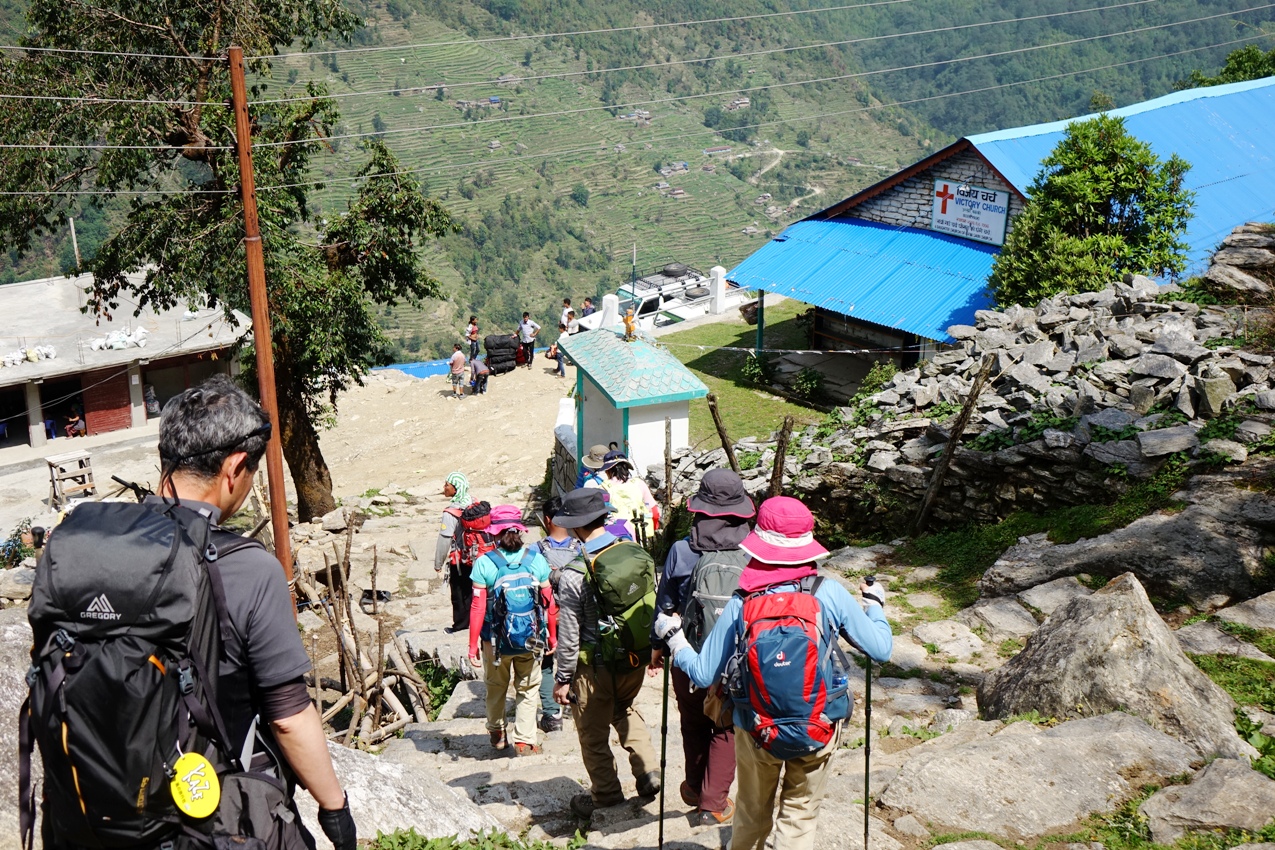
<point x="167" y="696"/>
<point x="700" y="576"/>
<point x="776" y="645"/>
<point x="606" y="603"/>
<point x="512" y="616"/>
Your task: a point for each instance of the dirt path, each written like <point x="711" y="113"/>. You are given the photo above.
<point x="768" y="166"/>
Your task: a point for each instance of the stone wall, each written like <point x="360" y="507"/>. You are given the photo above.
<point x="909" y="203"/>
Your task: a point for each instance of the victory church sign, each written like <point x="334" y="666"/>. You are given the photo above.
<point x="971" y="212"/>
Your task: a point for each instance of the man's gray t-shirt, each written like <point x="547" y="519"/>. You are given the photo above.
<point x="264" y="649"/>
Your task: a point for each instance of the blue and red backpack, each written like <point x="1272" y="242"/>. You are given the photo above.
<point x="788" y="676"/>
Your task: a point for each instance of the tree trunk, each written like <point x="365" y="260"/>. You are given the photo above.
<point x="305" y="461"/>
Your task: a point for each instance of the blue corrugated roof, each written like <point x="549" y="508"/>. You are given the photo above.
<point x="900" y="277"/>
<point x="632" y="374"/>
<point x="1225" y="132"/>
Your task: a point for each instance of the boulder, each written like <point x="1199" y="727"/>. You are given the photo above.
<point x="1229" y="449"/>
<point x="386" y="796"/>
<point x="1110" y="651"/>
<point x="1026" y="782"/>
<point x="1052" y="595"/>
<point x="15" y="660"/>
<point x="1213" y="393"/>
<point x="1208" y="639"/>
<point x="1256" y="613"/>
<point x="1228" y="794"/>
<point x="1229" y="277"/>
<point x="1001" y="619"/>
<point x="1158" y="366"/>
<point x="950" y="637"/>
<point x="335" y="520"/>
<point x="1167" y="441"/>
<point x="16" y="583"/>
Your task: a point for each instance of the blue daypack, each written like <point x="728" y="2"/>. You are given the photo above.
<point x="788" y="678"/>
<point x="514" y="613"/>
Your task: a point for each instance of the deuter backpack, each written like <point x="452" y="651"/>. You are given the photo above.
<point x="714" y="580"/>
<point x="128" y="615"/>
<point x="622" y="577"/>
<point x="473" y="537"/>
<point x="516" y="617"/>
<point x="788" y="676"/>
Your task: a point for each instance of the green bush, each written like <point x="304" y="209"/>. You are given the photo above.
<point x="758" y="369"/>
<point x="808" y="384"/>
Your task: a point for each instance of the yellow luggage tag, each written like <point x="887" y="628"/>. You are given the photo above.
<point x="196" y="790"/>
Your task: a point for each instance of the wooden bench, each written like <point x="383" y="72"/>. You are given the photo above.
<point x="70" y="474"/>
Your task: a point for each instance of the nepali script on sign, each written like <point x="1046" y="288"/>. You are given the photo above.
<point x="971" y="212"/>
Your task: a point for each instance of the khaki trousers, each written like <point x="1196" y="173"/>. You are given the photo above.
<point x="605" y="701"/>
<point x="524" y="672"/>
<point x="759" y="774"/>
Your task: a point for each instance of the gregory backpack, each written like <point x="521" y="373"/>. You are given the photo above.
<point x="788" y="676"/>
<point x="516" y="617"/>
<point x="714" y="580"/>
<point x="622" y="577"/>
<point x="123" y="683"/>
<point x="473" y="537"/>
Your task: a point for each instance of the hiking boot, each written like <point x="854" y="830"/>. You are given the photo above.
<point x="498" y="739"/>
<point x="583" y="805"/>
<point x="523" y="749"/>
<point x="703" y="817"/>
<point x="550" y="722"/>
<point x="689" y="795"/>
<point x="648" y="785"/>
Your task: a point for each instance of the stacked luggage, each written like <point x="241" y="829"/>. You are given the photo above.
<point x="502" y="352"/>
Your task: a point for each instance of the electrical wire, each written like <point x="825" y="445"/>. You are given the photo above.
<point x="604" y="31"/>
<point x="593" y="149"/>
<point x="858" y="74"/>
<point x="706" y="59"/>
<point x="112" y="53"/>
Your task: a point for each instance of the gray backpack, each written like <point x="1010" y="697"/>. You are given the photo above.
<point x="714" y="580"/>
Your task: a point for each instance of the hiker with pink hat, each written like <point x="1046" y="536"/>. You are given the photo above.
<point x="514" y="617"/>
<point x="775" y="647"/>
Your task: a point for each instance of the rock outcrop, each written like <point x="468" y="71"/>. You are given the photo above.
<point x="1024" y="781"/>
<point x="1228" y="794"/>
<point x="15" y="660"/>
<point x="1112" y="652"/>
<point x="1246" y="262"/>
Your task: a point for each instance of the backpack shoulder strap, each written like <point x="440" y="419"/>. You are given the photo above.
<point x="497" y="558"/>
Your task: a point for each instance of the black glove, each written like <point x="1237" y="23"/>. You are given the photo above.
<point x="338" y="826"/>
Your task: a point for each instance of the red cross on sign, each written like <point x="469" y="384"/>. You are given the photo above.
<point x="946" y="196"/>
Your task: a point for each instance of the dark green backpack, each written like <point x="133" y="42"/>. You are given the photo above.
<point x="622" y="577"/>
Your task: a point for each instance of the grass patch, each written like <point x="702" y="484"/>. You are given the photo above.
<point x="746" y="412"/>
<point x="964" y="554"/>
<point x="1263" y="639"/>
<point x="1248" y="682"/>
<point x="440" y="682"/>
<point x="410" y="839"/>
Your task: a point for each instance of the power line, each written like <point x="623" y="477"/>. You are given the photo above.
<point x="604" y="31"/>
<point x="594" y="149"/>
<point x="110" y="53"/>
<point x="706" y="59"/>
<point x="581" y="110"/>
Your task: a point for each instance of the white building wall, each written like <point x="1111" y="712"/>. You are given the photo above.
<point x="646" y="432"/>
<point x="602" y="422"/>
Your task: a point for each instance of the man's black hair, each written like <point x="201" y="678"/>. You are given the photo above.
<point x="551" y="507"/>
<point x="204" y="425"/>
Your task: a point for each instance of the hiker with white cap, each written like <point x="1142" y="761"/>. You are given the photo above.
<point x="700" y="575"/>
<point x="513" y="616"/>
<point x="778" y="631"/>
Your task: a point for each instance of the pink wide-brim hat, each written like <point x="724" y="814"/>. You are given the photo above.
<point x="505" y="517"/>
<point x="784" y="533"/>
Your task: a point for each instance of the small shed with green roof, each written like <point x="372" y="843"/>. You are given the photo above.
<point x="624" y="392"/>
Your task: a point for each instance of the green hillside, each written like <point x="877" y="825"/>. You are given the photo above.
<point x="554" y="188"/>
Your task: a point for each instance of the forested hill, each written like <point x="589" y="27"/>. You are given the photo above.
<point x="549" y="149"/>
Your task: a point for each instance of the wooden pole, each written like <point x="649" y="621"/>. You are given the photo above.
<point x="761" y="322"/>
<point x="260" y="313"/>
<point x="945" y="460"/>
<point x="781" y="457"/>
<point x="668" y="469"/>
<point x="721" y="433"/>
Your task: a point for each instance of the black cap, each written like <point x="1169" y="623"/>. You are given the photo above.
<point x="581" y="507"/>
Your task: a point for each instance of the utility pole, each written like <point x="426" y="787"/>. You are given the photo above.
<point x="260" y="314"/>
<point x="75" y="244"/>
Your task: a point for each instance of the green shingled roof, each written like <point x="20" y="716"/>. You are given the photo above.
<point x="632" y="374"/>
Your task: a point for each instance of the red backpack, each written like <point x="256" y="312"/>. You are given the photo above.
<point x="788" y="676"/>
<point x="473" y="537"/>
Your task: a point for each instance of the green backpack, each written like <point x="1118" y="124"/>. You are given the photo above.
<point x="622" y="577"/>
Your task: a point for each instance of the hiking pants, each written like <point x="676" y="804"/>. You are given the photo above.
<point x="803" y="782"/>
<point x="709" y="750"/>
<point x="524" y="672"/>
<point x="547" y="704"/>
<point x="604" y="700"/>
<point x="462" y="594"/>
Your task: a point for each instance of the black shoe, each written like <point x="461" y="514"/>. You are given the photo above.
<point x="550" y="722"/>
<point x="648" y="785"/>
<point x="583" y="805"/>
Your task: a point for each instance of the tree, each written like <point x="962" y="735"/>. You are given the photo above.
<point x="1247" y="63"/>
<point x="186" y="234"/>
<point x="580" y="194"/>
<point x="1102" y="205"/>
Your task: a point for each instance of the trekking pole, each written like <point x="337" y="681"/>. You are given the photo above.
<point x="867" y="733"/>
<point x="663" y="749"/>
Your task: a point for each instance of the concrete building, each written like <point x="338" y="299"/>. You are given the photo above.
<point x="56" y="359"/>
